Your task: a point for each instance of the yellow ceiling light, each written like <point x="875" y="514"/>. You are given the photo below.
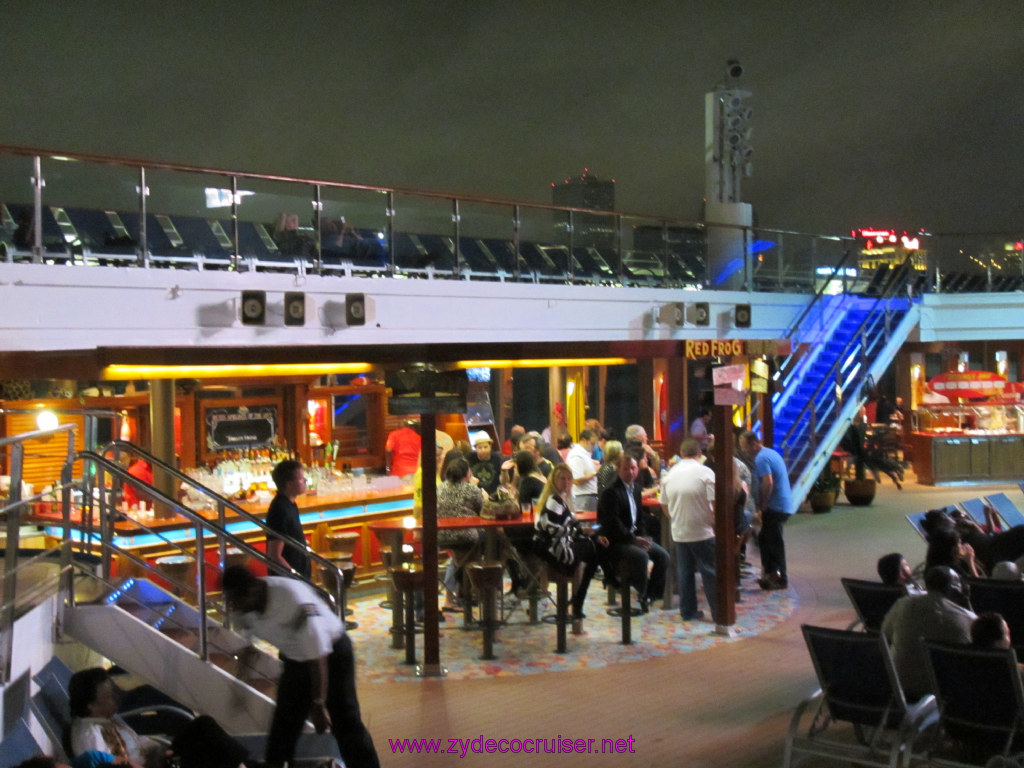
<point x="129" y="372"/>
<point x="542" y="363"/>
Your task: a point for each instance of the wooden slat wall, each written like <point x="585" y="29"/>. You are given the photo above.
<point x="44" y="459"/>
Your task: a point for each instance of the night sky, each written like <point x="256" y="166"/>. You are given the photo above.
<point x="904" y="114"/>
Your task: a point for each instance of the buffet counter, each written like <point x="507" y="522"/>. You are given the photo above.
<point x="958" y="456"/>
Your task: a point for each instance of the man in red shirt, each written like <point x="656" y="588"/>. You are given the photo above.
<point x="402" y="450"/>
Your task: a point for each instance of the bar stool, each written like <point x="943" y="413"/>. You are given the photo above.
<point x="563" y="583"/>
<point x="328" y="579"/>
<point x="387" y="561"/>
<point x="486" y="578"/>
<point x="624" y="611"/>
<point x="343" y="543"/>
<point x="408" y="580"/>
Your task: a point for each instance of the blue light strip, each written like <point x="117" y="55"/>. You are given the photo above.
<point x="243" y="527"/>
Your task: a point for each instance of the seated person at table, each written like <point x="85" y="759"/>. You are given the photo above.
<point x="458" y="497"/>
<point x="96" y="726"/>
<point x="530" y="482"/>
<point x="610" y="465"/>
<point x="485" y="463"/>
<point x="560" y="539"/>
<point x="619" y="511"/>
<point x="894" y="571"/>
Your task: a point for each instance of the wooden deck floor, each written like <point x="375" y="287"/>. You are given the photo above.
<point x="726" y="706"/>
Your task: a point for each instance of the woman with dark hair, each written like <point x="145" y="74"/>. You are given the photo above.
<point x="560" y="539"/>
<point x="457" y="496"/>
<point x="96" y="727"/>
<point x="946" y="548"/>
<point x="530" y="482"/>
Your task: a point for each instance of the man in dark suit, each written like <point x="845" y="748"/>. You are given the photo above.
<point x="620" y="513"/>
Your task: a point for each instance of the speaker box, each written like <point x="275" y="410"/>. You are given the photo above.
<point x="355" y="309"/>
<point x="295" y="308"/>
<point x="253" y="309"/>
<point x="742" y="316"/>
<point x="702" y="313"/>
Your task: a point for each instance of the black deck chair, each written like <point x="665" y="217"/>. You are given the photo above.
<point x="871" y="600"/>
<point x="1005" y="598"/>
<point x="859" y="689"/>
<point x="980" y="703"/>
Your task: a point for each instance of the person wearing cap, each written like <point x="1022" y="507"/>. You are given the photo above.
<point x="485" y="463"/>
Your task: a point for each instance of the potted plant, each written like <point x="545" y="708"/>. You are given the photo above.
<point x="824" y="491"/>
<point x="868" y="454"/>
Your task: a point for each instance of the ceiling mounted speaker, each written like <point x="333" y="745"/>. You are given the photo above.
<point x="295" y="308"/>
<point x="677" y="314"/>
<point x="253" y="308"/>
<point x="702" y="313"/>
<point x="742" y="316"/>
<point x="355" y="309"/>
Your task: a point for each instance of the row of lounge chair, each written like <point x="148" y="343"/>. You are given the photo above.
<point x="83" y="235"/>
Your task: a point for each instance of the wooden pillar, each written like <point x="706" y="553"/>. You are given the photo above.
<point x="161" y="420"/>
<point x="428" y="471"/>
<point x="676" y="423"/>
<point x="645" y="395"/>
<point x="556" y="394"/>
<point x="725" y="523"/>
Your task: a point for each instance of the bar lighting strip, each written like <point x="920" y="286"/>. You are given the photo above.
<point x="542" y="362"/>
<point x="130" y="372"/>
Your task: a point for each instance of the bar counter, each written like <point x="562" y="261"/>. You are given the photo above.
<point x="320" y="514"/>
<point x="956" y="456"/>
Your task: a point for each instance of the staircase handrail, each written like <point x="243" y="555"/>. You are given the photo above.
<point x="202" y="526"/>
<point x="223" y="504"/>
<point x="893" y="286"/>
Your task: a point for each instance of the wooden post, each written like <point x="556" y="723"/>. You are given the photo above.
<point x="428" y="464"/>
<point x="725" y="523"/>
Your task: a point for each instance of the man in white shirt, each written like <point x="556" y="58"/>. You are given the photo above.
<point x="688" y="490"/>
<point x="318" y="680"/>
<point x="584" y="471"/>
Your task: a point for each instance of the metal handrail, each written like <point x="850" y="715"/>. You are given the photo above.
<point x="203" y="527"/>
<point x="871" y="319"/>
<point x="222" y="505"/>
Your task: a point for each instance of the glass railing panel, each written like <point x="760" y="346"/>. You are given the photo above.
<point x="795" y="262"/>
<point x="90" y="204"/>
<point x="544" y="242"/>
<point x="487" y="245"/>
<point x="644" y="252"/>
<point x="595" y="247"/>
<point x="354" y="230"/>
<point x="276" y="223"/>
<point x="424" y="236"/>
<point x="973" y="263"/>
<point x="16" y="195"/>
<point x="189" y="218"/>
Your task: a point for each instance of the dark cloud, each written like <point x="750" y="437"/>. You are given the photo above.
<point x="866" y="113"/>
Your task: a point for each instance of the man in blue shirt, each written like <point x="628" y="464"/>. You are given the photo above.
<point x="773" y="498"/>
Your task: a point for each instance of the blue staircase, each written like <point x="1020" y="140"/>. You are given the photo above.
<point x="839" y="344"/>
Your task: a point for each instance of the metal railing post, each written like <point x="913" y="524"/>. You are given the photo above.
<point x="37" y="210"/>
<point x="144" y="256"/>
<point x="235" y="255"/>
<point x="390" y="224"/>
<point x="516" y="225"/>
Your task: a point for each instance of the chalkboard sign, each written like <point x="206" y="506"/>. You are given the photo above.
<point x="240" y="426"/>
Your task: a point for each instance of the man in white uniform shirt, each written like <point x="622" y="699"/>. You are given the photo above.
<point x="584" y="472"/>
<point x="688" y="490"/>
<point x="318" y="680"/>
